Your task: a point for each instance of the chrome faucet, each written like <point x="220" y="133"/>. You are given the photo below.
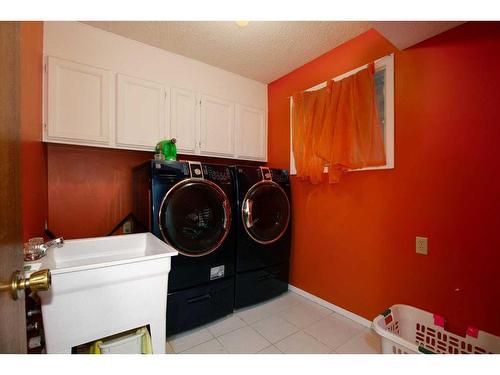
<point x="59" y="242"/>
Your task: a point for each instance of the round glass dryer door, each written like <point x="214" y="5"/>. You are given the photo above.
<point x="265" y="212"/>
<point x="195" y="217"/>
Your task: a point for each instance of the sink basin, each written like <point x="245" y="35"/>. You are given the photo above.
<point x="103" y="286"/>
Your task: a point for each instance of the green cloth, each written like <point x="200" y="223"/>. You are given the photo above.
<point x="146" y="345"/>
<point x="95" y="348"/>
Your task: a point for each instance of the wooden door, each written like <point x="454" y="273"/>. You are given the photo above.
<point x="12" y="313"/>
<point x="141" y="113"/>
<point x="216" y="127"/>
<point x="184" y="120"/>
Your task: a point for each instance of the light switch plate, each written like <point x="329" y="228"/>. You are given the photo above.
<point x="421" y="245"/>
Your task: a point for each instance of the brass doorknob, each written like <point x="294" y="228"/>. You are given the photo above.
<point x="37" y="281"/>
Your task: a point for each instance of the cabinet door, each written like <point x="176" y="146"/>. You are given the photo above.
<point x="78" y="103"/>
<point x="251" y="133"/>
<point x="216" y="127"/>
<point x="140" y="113"/>
<point x="184" y="119"/>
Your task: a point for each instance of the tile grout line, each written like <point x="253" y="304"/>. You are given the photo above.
<point x="246" y="326"/>
<point x="222" y="346"/>
<point x="278" y="349"/>
<point x="262" y="337"/>
<point x="274" y="344"/>
<point x="324" y="343"/>
<point x="195" y="330"/>
<point x="267" y="316"/>
<point x="264" y="348"/>
<point x="291" y="334"/>
<point x="318" y="340"/>
<point x="232" y="330"/>
<point x="310" y="324"/>
<point x="302" y="330"/>
<point x="298" y="328"/>
<point x="352" y="338"/>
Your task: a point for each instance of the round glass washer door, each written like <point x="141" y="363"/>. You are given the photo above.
<point x="266" y="212"/>
<point x="195" y="217"/>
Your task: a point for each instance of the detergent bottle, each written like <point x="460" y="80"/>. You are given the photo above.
<point x="167" y="148"/>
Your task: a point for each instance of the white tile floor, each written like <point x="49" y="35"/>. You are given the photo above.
<point x="286" y="324"/>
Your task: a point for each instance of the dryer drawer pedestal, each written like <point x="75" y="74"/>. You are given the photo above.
<point x="189" y="308"/>
<point x="260" y="285"/>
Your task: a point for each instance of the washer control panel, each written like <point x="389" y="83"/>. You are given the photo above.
<point x="195" y="169"/>
<point x="218" y="174"/>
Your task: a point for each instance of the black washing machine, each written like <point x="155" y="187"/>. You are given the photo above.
<point x="189" y="205"/>
<point x="263" y="216"/>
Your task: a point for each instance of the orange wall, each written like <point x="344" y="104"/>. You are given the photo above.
<point x="354" y="242"/>
<point x="33" y="153"/>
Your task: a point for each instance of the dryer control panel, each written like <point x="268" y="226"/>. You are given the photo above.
<point x="280" y="176"/>
<point x="266" y="173"/>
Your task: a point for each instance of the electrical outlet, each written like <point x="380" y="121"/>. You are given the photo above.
<point x="127" y="227"/>
<point x="421" y="245"/>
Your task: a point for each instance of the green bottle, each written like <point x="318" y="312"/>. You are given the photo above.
<point x="167" y="148"/>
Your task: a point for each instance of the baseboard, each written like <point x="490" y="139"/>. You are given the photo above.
<point x="331" y="306"/>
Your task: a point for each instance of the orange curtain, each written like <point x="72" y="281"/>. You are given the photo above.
<point x="337" y="126"/>
<point x="308" y="119"/>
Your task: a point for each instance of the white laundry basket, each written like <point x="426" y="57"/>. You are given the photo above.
<point x="405" y="329"/>
<point x="136" y="341"/>
<point x="126" y="344"/>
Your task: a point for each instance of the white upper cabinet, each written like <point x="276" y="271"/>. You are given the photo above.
<point x="103" y="90"/>
<point x="251" y="133"/>
<point x="184" y="119"/>
<point x="140" y="113"/>
<point x="78" y="103"/>
<point x="216" y="127"/>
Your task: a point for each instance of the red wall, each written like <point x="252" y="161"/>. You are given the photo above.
<point x="90" y="189"/>
<point x="354" y="242"/>
<point x="33" y="154"/>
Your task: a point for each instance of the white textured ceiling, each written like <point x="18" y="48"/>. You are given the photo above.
<point x="263" y="50"/>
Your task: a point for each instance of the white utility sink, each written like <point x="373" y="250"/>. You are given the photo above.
<point x="103" y="286"/>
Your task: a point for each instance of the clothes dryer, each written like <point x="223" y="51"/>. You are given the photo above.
<point x="263" y="217"/>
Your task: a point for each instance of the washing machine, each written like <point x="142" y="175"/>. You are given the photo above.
<point x="189" y="205"/>
<point x="263" y="241"/>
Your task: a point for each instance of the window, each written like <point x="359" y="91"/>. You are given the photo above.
<point x="384" y="90"/>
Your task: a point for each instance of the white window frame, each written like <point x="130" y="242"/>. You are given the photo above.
<point x="386" y="62"/>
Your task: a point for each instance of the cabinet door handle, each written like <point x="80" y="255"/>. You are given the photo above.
<point x="199" y="299"/>
<point x="265" y="277"/>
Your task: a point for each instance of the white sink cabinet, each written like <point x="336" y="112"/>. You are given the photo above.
<point x="104" y="286"/>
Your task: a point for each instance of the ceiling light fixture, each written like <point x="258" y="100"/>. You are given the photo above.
<point x="242" y="23"/>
